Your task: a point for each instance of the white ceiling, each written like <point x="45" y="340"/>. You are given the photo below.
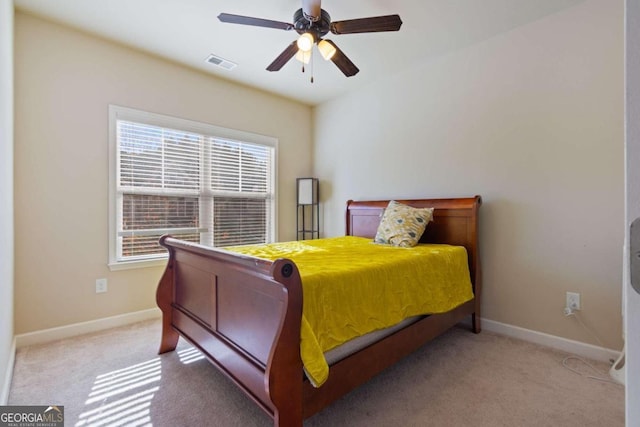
<point x="187" y="31"/>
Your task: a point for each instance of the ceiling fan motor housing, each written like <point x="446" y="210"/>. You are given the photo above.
<point x="318" y="28"/>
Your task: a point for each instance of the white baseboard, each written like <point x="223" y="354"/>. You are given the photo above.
<point x="577" y="348"/>
<point x="39" y="337"/>
<point x="8" y="376"/>
<point x="53" y="334"/>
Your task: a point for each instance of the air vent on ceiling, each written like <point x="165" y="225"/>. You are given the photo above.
<point x="221" y="62"/>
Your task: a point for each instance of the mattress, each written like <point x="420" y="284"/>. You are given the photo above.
<point x="353" y="287"/>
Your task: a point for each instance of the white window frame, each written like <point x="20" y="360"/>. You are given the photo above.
<point x="117" y="113"/>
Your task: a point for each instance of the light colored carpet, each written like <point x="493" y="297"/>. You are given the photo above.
<point x="115" y="378"/>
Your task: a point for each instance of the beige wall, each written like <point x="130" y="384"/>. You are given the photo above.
<point x="532" y="120"/>
<point x="65" y="81"/>
<point x="6" y="196"/>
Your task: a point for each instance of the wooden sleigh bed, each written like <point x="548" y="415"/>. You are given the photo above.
<point x="245" y="313"/>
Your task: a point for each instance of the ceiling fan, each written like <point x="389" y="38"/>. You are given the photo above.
<point x="313" y="23"/>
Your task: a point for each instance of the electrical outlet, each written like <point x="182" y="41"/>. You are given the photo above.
<point x="573" y="301"/>
<point x="101" y="286"/>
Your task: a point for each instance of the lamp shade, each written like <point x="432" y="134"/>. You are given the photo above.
<point x="307" y="191"/>
<point x="303" y="56"/>
<point x="305" y="42"/>
<point x="327" y="50"/>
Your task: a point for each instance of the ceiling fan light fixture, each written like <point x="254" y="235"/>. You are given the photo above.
<point x="327" y="50"/>
<point x="303" y="56"/>
<point x="312" y="23"/>
<point x="305" y="42"/>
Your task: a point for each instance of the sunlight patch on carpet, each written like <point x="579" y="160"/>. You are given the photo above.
<point x="133" y="389"/>
<point x="190" y="355"/>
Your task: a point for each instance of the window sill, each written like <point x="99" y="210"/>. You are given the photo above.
<point x="130" y="265"/>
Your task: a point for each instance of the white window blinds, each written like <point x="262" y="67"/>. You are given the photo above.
<point x="195" y="186"/>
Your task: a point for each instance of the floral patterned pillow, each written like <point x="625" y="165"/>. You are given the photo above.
<point x="402" y="225"/>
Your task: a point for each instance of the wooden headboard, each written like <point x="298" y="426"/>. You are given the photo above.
<point x="455" y="222"/>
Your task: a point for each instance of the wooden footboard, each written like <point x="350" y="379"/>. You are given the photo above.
<point x="245" y="313"/>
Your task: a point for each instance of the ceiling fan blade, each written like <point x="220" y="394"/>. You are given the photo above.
<point x="367" y="25"/>
<point x="284" y="57"/>
<point x="256" y="22"/>
<point x="340" y="59"/>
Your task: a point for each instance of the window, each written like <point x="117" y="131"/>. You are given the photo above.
<point x="197" y="182"/>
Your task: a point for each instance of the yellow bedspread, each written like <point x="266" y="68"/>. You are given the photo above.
<point x="352" y="286"/>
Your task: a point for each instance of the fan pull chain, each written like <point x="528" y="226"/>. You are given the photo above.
<point x="311" y="62"/>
